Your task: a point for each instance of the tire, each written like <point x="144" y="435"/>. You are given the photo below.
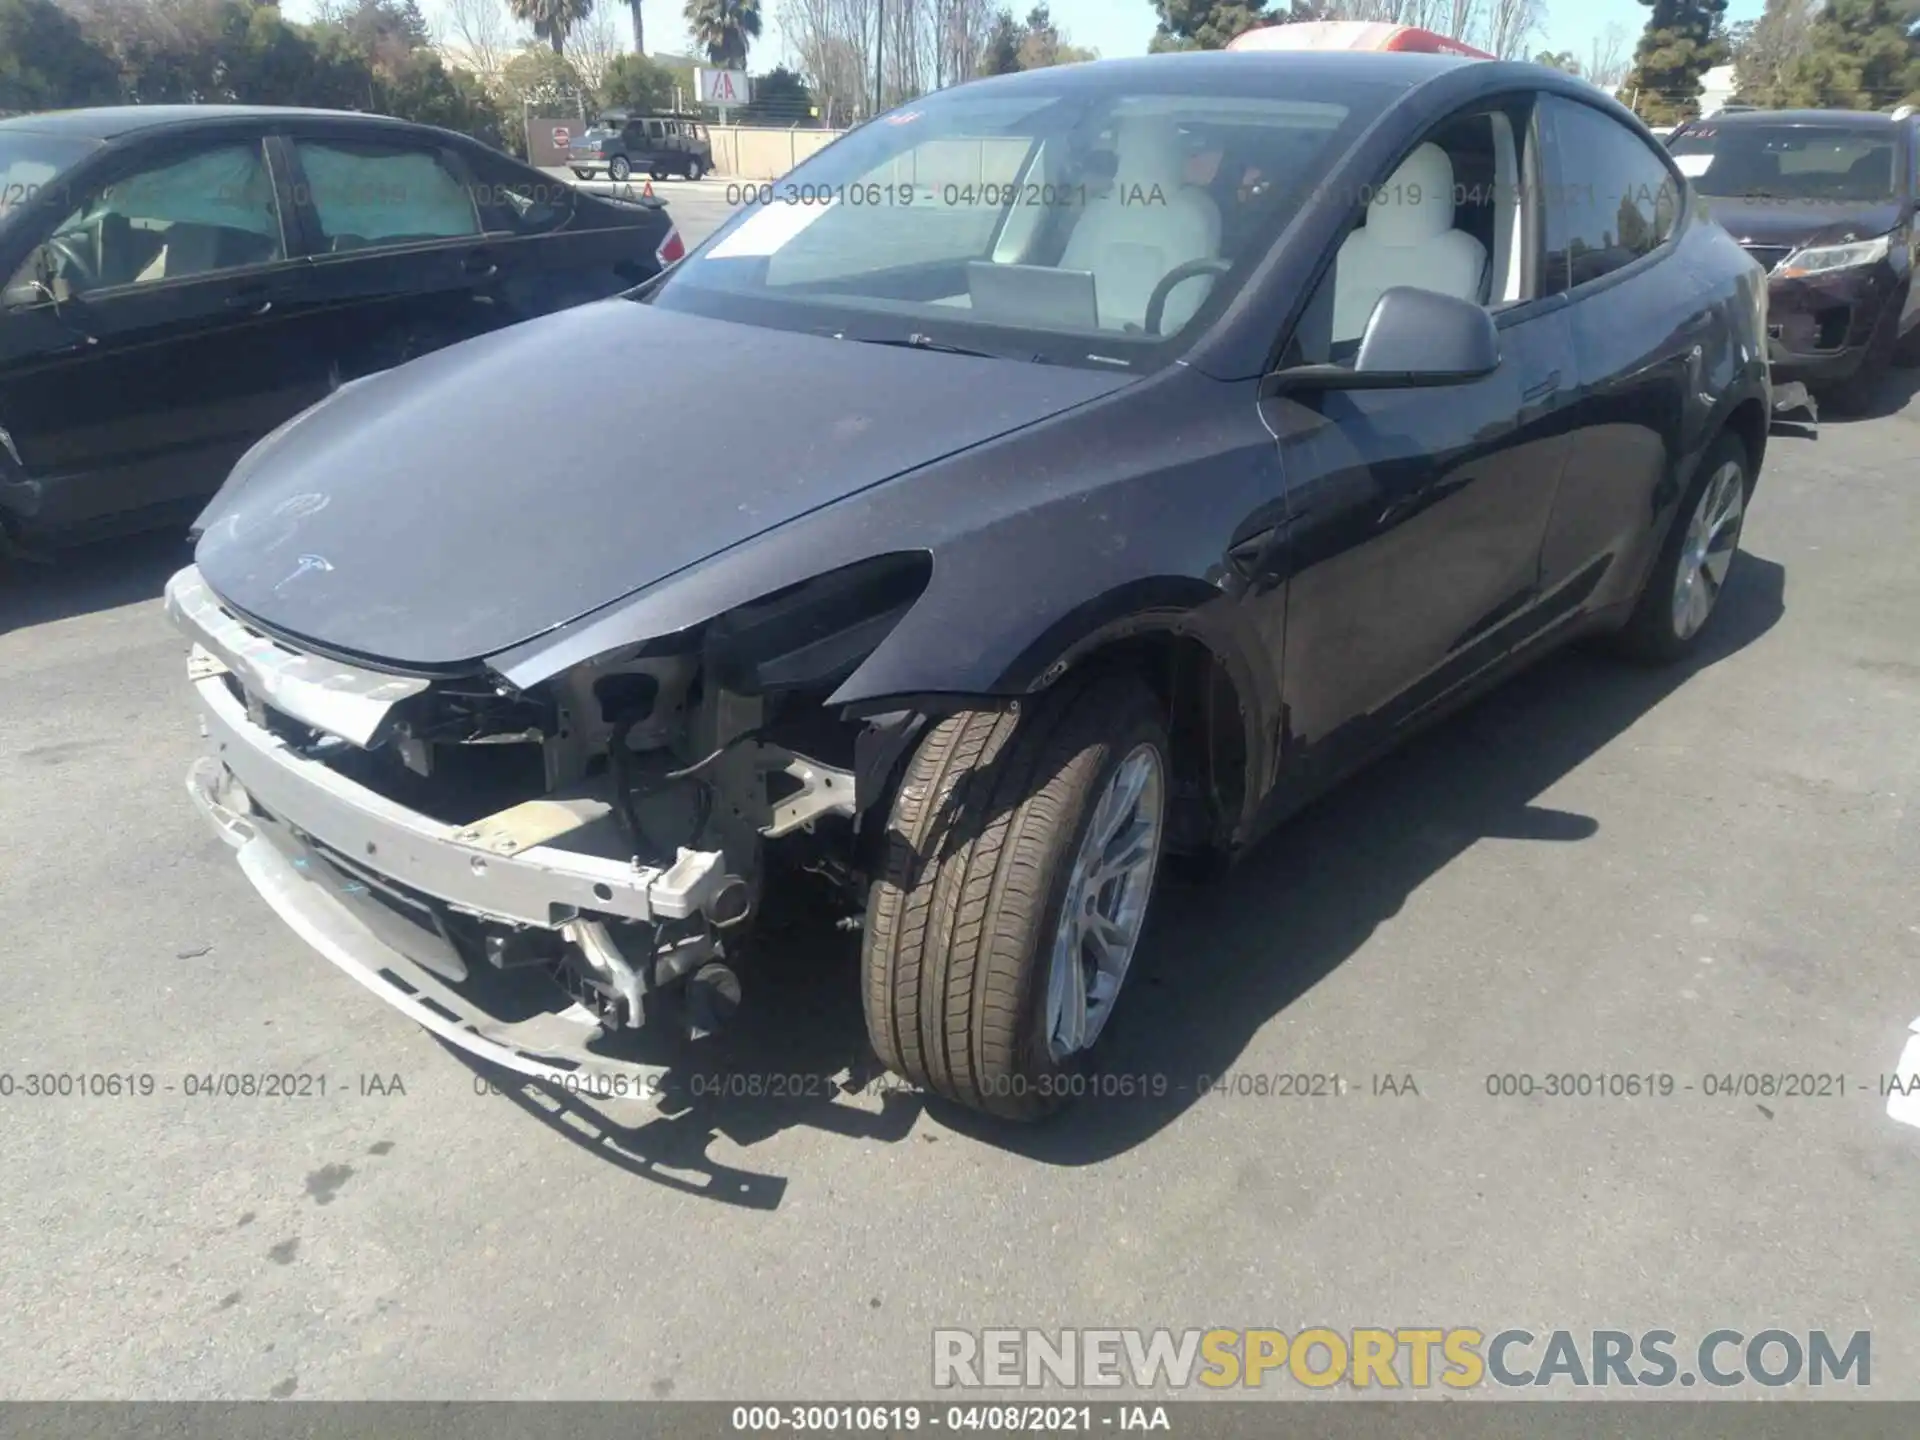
<point x="1660" y="632"/>
<point x="1906" y="350"/>
<point x="990" y="817"/>
<point x="695" y="170"/>
<point x="583" y="174"/>
<point x="618" y="169"/>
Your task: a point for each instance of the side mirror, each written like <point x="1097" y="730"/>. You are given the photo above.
<point x="1414" y="339"/>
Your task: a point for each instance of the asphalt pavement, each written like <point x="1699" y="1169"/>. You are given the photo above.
<point x="1706" y="872"/>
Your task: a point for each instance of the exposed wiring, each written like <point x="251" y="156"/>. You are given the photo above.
<point x="694" y="769"/>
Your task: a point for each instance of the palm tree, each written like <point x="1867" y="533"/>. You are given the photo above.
<point x="639" y="28"/>
<point x="552" y="20"/>
<point x="724" y="29"/>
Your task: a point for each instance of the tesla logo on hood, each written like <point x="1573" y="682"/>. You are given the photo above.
<point x="305" y="565"/>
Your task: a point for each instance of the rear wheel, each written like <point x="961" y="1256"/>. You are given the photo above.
<point x="618" y="169"/>
<point x="1683" y="589"/>
<point x="583" y="174"/>
<point x="695" y="170"/>
<point x="1021" y="854"/>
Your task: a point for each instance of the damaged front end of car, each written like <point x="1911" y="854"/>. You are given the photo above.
<point x="556" y="875"/>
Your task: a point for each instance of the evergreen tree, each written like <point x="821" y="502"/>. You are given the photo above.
<point x="1683" y="40"/>
<point x="1003" y="46"/>
<point x="1860" y="55"/>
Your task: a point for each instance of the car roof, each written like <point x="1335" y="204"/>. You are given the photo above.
<point x="1850" y="119"/>
<point x="110" y="122"/>
<point x="1363" y="66"/>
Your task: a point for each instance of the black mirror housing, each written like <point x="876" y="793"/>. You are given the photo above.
<point x="1414" y="339"/>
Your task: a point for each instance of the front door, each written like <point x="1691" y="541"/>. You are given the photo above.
<point x="1416" y="515"/>
<point x="162" y="338"/>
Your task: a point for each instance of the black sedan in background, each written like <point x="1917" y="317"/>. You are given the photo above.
<point x="180" y="280"/>
<point x="1105" y="511"/>
<point x="1825" y="200"/>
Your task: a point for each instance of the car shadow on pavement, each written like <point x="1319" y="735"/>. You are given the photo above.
<point x="1220" y="961"/>
<point x="795" y="1055"/>
<point x="1890" y="397"/>
<point x="89" y="578"/>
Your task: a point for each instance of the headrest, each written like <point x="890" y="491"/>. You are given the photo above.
<point x="1150" y="150"/>
<point x="1416" y="203"/>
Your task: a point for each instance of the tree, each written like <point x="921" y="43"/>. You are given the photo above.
<point x="1764" y="50"/>
<point x="539" y="79"/>
<point x="554" y="20"/>
<point x="637" y="82"/>
<point x="593" y="45"/>
<point x="780" y="97"/>
<point x="478" y="35"/>
<point x="1683" y="40"/>
<point x="1212" y="24"/>
<point x="1607" y="58"/>
<point x="1859" y="55"/>
<point x="833" y="42"/>
<point x="1040" y="44"/>
<point x="724" y="29"/>
<point x="1003" y="46"/>
<point x="1559" y="60"/>
<point x="48" y="62"/>
<point x="1509" y="25"/>
<point x="639" y="27"/>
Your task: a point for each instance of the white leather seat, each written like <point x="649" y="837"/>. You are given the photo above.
<point x="1132" y="238"/>
<point x="1408" y="239"/>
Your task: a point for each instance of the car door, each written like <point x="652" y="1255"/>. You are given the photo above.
<point x="1639" y="321"/>
<point x="1416" y="515"/>
<point x="164" y="337"/>
<point x="549" y="246"/>
<point x="401" y="261"/>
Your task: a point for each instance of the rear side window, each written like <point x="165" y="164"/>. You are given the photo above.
<point x="383" y="194"/>
<point x="518" y="201"/>
<point x="1610" y="199"/>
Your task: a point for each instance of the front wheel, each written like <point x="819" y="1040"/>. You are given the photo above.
<point x="1020" y="856"/>
<point x="695" y="170"/>
<point x="1683" y="589"/>
<point x="618" y="169"/>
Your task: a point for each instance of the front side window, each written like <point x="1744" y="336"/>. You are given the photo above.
<point x="367" y="194"/>
<point x="1080" y="222"/>
<point x="1609" y="199"/>
<point x="1752" y="160"/>
<point x="194" y="214"/>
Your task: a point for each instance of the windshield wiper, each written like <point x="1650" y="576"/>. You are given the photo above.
<point x="927" y="342"/>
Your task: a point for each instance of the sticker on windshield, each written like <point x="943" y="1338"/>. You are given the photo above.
<point x="905" y="119"/>
<point x="766" y="230"/>
<point x="1693" y="166"/>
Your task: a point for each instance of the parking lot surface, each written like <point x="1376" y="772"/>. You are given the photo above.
<point x="1707" y="872"/>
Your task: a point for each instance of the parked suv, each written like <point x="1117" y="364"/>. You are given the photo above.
<point x="1825" y="200"/>
<point x="658" y="145"/>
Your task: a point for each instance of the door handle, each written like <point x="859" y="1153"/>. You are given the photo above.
<point x="481" y="265"/>
<point x="255" y="300"/>
<point x="1540" y="389"/>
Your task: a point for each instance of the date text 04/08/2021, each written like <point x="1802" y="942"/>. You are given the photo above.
<point x="1003" y="1418"/>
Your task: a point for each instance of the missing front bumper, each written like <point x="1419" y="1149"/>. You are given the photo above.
<point x="403" y="963"/>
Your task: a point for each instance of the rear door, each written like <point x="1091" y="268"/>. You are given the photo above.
<point x="1640" y="322"/>
<point x="401" y="260"/>
<point x="177" y="341"/>
<point x="549" y="245"/>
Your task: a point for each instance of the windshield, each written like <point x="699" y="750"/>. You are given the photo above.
<point x="1060" y="220"/>
<point x="29" y="163"/>
<point x="1788" y="162"/>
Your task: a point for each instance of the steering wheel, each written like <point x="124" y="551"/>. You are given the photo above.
<point x="1157" y="303"/>
<point x="76" y="267"/>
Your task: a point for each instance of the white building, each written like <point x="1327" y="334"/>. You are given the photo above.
<point x="1716" y="89"/>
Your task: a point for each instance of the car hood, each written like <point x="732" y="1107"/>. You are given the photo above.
<point x="1800" y="222"/>
<point x="481" y="495"/>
